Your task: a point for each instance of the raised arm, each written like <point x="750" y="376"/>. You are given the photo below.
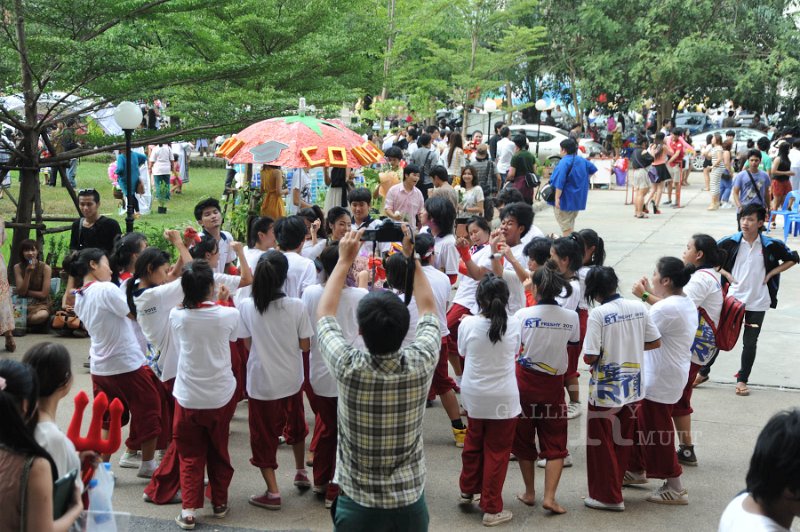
<point x="348" y="250"/>
<point x="244" y="267"/>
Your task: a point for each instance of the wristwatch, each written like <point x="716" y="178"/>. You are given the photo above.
<point x="496" y="256"/>
<point x="645" y="295"/>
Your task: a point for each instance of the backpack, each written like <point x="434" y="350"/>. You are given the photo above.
<point x="727" y="331"/>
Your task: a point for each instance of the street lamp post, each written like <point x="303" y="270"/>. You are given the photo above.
<point x="541" y="105"/>
<point x="490" y="106"/>
<point x="128" y="116"/>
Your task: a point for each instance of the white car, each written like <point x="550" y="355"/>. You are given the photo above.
<point x="550" y="138"/>
<point x="743" y="134"/>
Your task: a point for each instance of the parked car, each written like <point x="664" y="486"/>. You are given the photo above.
<point x="743" y="134"/>
<point x="550" y="138"/>
<point x="694" y="122"/>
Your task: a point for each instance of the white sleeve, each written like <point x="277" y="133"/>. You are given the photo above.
<point x="576" y="329"/>
<point x="593" y="342"/>
<point x="235" y="327"/>
<point x="698" y="290"/>
<point x="231" y="282"/>
<point x="449" y="259"/>
<point x="463" y="332"/>
<point x="651" y="332"/>
<point x="309" y="277"/>
<point x="478" y="193"/>
<point x="116" y="300"/>
<point x="304" y="328"/>
<point x="245" y="312"/>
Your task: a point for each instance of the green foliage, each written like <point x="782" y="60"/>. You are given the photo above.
<point x="371" y="181"/>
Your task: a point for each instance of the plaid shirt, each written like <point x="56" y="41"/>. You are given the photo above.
<point x="380" y="461"/>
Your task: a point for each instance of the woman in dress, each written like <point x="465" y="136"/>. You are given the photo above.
<point x="717" y="168"/>
<point x="472" y="202"/>
<point x="455" y="157"/>
<point x="32" y="278"/>
<point x="6" y="308"/>
<point x="272" y="188"/>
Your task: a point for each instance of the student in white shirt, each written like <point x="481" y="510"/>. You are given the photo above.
<point x="277" y="330"/>
<point x="360" y="200"/>
<point x="617" y="333"/>
<point x="316" y="235"/>
<point x="505" y="151"/>
<point x="490" y="342"/>
<point x="397" y="275"/>
<point x="567" y="253"/>
<point x="300" y="193"/>
<point x="205" y="392"/>
<point x="441" y="215"/>
<point x="547" y="330"/>
<point x="261" y="239"/>
<point x="772" y="500"/>
<point x="290" y="233"/>
<point x="537" y="251"/>
<point x="442" y="385"/>
<point x="117" y="363"/>
<point x="337" y="223"/>
<point x="209" y="216"/>
<point x="323" y="384"/>
<point x="666" y="371"/>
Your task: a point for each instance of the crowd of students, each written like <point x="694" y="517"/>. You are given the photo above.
<point x="181" y="344"/>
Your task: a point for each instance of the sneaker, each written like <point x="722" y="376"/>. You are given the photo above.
<point x="186" y="523"/>
<point x="146" y="471"/>
<point x="543" y="462"/>
<point x="221" y="511"/>
<point x="265" y="501"/>
<point x="726" y="205"/>
<point x="667" y="495"/>
<point x="458" y="436"/>
<point x="331" y="494"/>
<point x="465" y="499"/>
<point x="131" y="460"/>
<point x="574" y="410"/>
<point x="610" y="506"/>
<point x="686" y="455"/>
<point x="281" y="440"/>
<point x="319" y="490"/>
<point x="633" y="479"/>
<point x="301" y="480"/>
<point x="497" y="519"/>
<point x="176" y="499"/>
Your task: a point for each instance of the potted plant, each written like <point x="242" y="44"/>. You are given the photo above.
<point x="162" y="198"/>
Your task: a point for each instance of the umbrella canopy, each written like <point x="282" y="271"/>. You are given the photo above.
<point x="300" y="142"/>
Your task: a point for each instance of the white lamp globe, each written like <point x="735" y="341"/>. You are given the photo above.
<point x="490" y="106"/>
<point x="541" y="105"/>
<point x="128" y="115"/>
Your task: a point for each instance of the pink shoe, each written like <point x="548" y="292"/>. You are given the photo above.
<point x="301" y="480"/>
<point x="265" y="501"/>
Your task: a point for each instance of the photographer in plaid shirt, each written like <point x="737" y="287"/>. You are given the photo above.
<point x="380" y="463"/>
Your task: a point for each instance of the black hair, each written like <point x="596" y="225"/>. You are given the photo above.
<point x="592" y="239"/>
<point x="148" y="261"/>
<point x="730" y="113"/>
<point x="329" y="257"/>
<point x="396" y="267"/>
<point x="384" y="321"/>
<point x="675" y="270"/>
<point x="360" y="194"/>
<point x="521" y="212"/>
<point x="410" y="169"/>
<point x="313" y="214"/>
<point x="260" y="224"/>
<point x="334" y="213"/>
<point x="783" y="151"/>
<point x="27" y="245"/>
<point x="601" y="283"/>
<point x="498" y="125"/>
<point x="660" y="136"/>
<point x="508" y="196"/>
<point x="481" y="222"/>
<point x="492" y="298"/>
<point x="79" y="264"/>
<point x="569" y="146"/>
<point x="570" y="247"/>
<point x="708" y="138"/>
<point x="18" y="425"/>
<point x="441" y="212"/>
<point x="775" y="464"/>
<point x="125" y="247"/>
<point x="197" y="283"/>
<point x="424" y="139"/>
<point x="455" y="140"/>
<point x="394" y="152"/>
<point x="521" y="142"/>
<point x="423" y="245"/>
<point x="538" y="249"/>
<point x="549" y="282"/>
<point x="763" y="143"/>
<point x="268" y="280"/>
<point x="754" y="153"/>
<point x="440" y="172"/>
<point x="90" y="192"/>
<point x="52" y="364"/>
<point x="290" y="232"/>
<point x="203" y="205"/>
<point x="713" y="255"/>
<point x="207" y="244"/>
<point x="751" y="144"/>
<point x="505" y="131"/>
<point x="753" y="208"/>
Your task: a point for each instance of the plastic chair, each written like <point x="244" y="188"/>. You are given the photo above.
<point x="792" y="197"/>
<point x="792" y="225"/>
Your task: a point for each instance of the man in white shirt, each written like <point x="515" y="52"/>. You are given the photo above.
<point x="209" y="216"/>
<point x="290" y="233"/>
<point x="300" y="193"/>
<point x="505" y="151"/>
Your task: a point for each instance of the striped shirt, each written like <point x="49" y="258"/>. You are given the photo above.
<point x="380" y="461"/>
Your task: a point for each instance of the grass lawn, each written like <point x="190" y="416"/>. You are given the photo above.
<point x="204" y="182"/>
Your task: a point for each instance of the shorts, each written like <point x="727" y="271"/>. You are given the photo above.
<point x="638" y="178"/>
<point x="674" y="172"/>
<point x="663" y="173"/>
<point x="706" y="163"/>
<point x="565" y="219"/>
<point x="781" y="188"/>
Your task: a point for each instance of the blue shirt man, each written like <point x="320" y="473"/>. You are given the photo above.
<point x="571" y="180"/>
<point x="137" y="160"/>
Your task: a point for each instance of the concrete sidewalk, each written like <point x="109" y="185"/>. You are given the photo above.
<point x="726" y="426"/>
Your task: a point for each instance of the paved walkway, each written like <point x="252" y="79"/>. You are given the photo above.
<point x="726" y="426"/>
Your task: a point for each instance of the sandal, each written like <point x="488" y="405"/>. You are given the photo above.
<point x="742" y="390"/>
<point x="640" y="216"/>
<point x="11" y="345"/>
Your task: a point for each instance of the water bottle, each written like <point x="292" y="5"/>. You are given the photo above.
<point x="101" y="490"/>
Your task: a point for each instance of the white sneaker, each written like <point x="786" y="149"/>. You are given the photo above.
<point x="130" y="460"/>
<point x="726" y="205"/>
<point x="574" y="410"/>
<point x="597" y="505"/>
<point x="543" y="462"/>
<point x="633" y="479"/>
<point x="146" y="471"/>
<point x="667" y="495"/>
<point x="497" y="519"/>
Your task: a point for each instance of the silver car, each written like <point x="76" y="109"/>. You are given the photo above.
<point x="743" y="134"/>
<point x="550" y="138"/>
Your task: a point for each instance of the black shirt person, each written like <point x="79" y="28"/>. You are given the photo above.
<point x="93" y="230"/>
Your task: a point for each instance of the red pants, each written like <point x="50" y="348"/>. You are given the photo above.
<point x="454" y="316"/>
<point x="289" y="431"/>
<point x="654" y="451"/>
<point x="684" y="405"/>
<point x="485" y="460"/>
<point x="267" y="420"/>
<point x="140" y="396"/>
<point x="201" y="439"/>
<point x="442" y="382"/>
<point x="543" y="415"/>
<point x="609" y="444"/>
<point x="574" y="351"/>
<point x="324" y="439"/>
<point x="167" y="479"/>
<point x="239" y="356"/>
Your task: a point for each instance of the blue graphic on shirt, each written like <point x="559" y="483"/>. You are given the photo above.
<point x="616" y="384"/>
<point x="705" y="343"/>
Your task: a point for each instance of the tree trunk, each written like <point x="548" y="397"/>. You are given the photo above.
<point x="389" y="46"/>
<point x="510" y="113"/>
<point x="28" y="190"/>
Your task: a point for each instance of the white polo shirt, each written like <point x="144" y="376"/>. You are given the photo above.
<point x="572" y="300"/>
<point x="445" y="254"/>
<point x="516" y="291"/>
<point x="705" y="291"/>
<point x="546" y="329"/>
<point x="467" y="286"/>
<point x="302" y="274"/>
<point x="440" y="286"/>
<point x="749" y="273"/>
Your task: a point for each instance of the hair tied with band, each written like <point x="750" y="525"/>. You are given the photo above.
<point x="2" y="384"/>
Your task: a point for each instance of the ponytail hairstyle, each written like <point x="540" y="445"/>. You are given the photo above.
<point x="147" y="262"/>
<point x="269" y="277"/>
<point x="125" y="248"/>
<point x="570" y="247"/>
<point x="423" y="245"/>
<point x="80" y="262"/>
<point x="313" y="214"/>
<point x="400" y="275"/>
<point x="592" y="240"/>
<point x="207" y="244"/>
<point x="713" y="255"/>
<point x="550" y="283"/>
<point x="601" y="283"/>
<point x="52" y="364"/>
<point x="492" y="298"/>
<point x="197" y="283"/>
<point x="262" y="224"/>
<point x="675" y="270"/>
<point x="18" y="384"/>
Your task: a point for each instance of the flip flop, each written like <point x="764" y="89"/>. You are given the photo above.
<point x="742" y="391"/>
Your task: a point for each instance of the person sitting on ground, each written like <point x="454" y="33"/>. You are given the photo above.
<point x="33" y="282"/>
